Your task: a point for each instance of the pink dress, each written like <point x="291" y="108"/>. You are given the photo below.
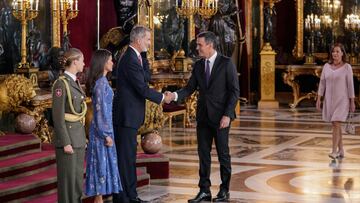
<point x="338" y="87"/>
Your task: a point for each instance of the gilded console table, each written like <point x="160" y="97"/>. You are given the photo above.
<point x="161" y="80"/>
<point x="41" y="102"/>
<point x="292" y="71"/>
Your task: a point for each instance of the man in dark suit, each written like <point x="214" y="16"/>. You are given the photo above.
<point x="132" y="89"/>
<point x="216" y="79"/>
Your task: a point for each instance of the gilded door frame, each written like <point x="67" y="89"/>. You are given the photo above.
<point x="55" y="21"/>
<point x="298" y="51"/>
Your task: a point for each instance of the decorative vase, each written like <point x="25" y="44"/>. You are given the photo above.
<point x="151" y="142"/>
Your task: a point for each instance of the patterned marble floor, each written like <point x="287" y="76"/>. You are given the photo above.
<point x="277" y="156"/>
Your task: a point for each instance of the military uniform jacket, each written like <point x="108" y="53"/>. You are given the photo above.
<point x="67" y="133"/>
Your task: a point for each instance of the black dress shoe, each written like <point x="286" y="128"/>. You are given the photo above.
<point x="201" y="196"/>
<point x="222" y="196"/>
<point x="137" y="200"/>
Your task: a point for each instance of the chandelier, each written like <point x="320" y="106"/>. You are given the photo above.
<point x="205" y="8"/>
<point x="352" y="22"/>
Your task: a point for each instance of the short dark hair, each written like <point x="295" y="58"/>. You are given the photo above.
<point x="341" y="46"/>
<point x="209" y="37"/>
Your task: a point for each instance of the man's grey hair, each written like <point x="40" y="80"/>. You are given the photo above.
<point x="138" y="32"/>
<point x="209" y="37"/>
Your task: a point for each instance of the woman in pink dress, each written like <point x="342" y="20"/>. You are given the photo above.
<point x="337" y="87"/>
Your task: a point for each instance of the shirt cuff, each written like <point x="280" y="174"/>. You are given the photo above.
<point x="176" y="96"/>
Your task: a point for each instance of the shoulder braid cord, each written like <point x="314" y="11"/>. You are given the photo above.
<point x="79" y="116"/>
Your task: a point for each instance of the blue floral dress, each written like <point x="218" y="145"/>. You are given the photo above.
<point x="102" y="174"/>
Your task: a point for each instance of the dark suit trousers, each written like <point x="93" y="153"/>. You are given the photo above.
<point x="70" y="175"/>
<point x="125" y="141"/>
<point x="205" y="136"/>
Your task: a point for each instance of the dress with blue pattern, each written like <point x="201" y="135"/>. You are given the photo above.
<point x="102" y="174"/>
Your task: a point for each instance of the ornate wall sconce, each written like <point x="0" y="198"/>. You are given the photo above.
<point x="24" y="10"/>
<point x="68" y="10"/>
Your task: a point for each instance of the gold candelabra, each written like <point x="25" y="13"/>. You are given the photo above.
<point x="187" y="8"/>
<point x="68" y="10"/>
<point x="24" y="10"/>
<point x="208" y="8"/>
<point x="205" y="8"/>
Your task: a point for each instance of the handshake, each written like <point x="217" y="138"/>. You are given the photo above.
<point x="169" y="97"/>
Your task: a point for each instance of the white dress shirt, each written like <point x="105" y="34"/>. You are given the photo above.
<point x="212" y="61"/>
<point x="71" y="75"/>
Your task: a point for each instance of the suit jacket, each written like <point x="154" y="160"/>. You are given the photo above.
<point x="220" y="97"/>
<point x="66" y="133"/>
<point x="131" y="91"/>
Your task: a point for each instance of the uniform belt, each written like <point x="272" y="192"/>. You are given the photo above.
<point x="74" y="118"/>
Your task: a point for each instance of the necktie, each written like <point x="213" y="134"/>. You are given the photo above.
<point x="140" y="60"/>
<point x="207" y="72"/>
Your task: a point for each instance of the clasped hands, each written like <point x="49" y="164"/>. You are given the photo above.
<point x="169" y="97"/>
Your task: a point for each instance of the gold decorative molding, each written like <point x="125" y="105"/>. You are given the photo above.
<point x="191" y="28"/>
<point x="55" y="28"/>
<point x="298" y="51"/>
<point x="15" y="91"/>
<point x="30" y="73"/>
<point x="261" y="7"/>
<point x="154" y="118"/>
<point x="113" y="36"/>
<point x="145" y="18"/>
<point x="250" y="31"/>
<point x="267" y="78"/>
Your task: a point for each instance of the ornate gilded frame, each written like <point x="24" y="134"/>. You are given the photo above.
<point x="298" y="51"/>
<point x="145" y="9"/>
<point x="55" y="21"/>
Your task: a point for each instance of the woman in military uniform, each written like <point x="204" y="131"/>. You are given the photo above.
<point x="68" y="111"/>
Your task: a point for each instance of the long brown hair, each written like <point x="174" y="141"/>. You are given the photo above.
<point x="71" y="55"/>
<point x="342" y="48"/>
<point x="96" y="70"/>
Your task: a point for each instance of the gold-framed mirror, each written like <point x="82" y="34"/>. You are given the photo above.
<point x="144" y="11"/>
<point x="162" y="12"/>
<point x="337" y="21"/>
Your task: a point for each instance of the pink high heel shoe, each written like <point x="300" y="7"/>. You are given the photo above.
<point x="341" y="154"/>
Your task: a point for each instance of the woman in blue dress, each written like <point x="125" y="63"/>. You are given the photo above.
<point x="102" y="174"/>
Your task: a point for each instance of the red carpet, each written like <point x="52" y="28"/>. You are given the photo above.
<point x="28" y="170"/>
<point x="25" y="170"/>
